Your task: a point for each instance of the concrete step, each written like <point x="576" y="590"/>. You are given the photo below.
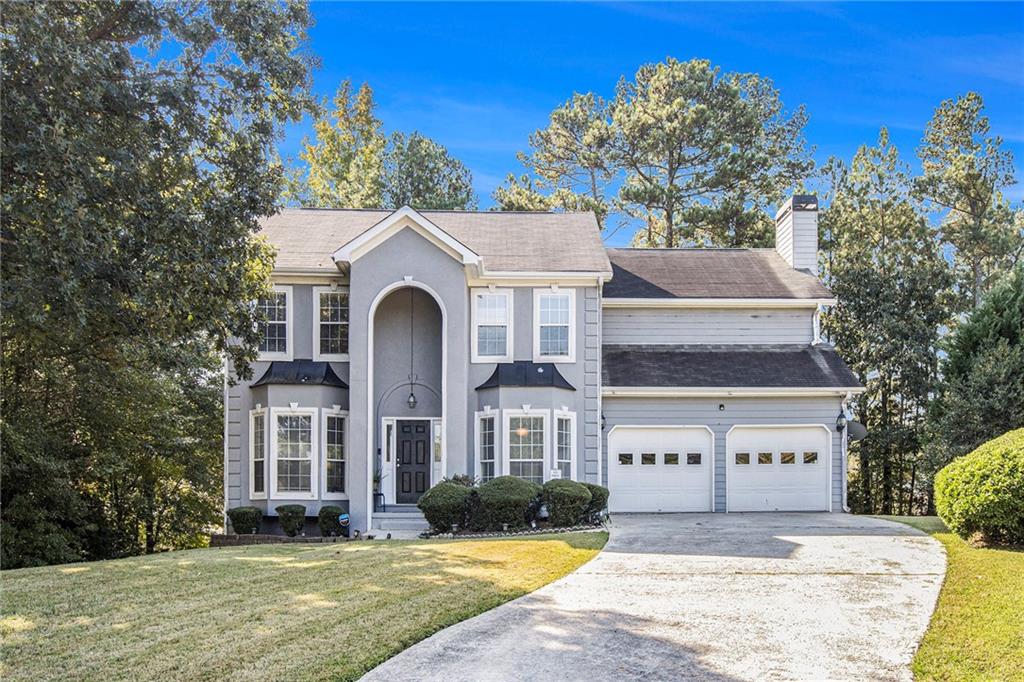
<point x="396" y="518"/>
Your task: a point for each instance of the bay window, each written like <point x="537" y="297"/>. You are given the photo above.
<point x="276" y="326"/>
<point x="258" y="454"/>
<point x="333" y="439"/>
<point x="330" y="324"/>
<point x="554" y="334"/>
<point x="294" y="452"/>
<point x="526" y="444"/>
<point x="492" y="325"/>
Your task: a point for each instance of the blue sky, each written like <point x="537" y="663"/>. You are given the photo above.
<point x="479" y="78"/>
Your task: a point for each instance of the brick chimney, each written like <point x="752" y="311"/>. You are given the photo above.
<point x="796" y="232"/>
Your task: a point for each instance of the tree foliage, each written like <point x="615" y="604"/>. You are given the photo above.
<point x="135" y="168"/>
<point x="698" y="156"/>
<point x="884" y="265"/>
<point x="351" y="163"/>
<point x="965" y="171"/>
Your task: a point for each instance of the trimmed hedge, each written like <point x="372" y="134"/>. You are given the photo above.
<point x="246" y="520"/>
<point x="598" y="500"/>
<point x="983" y="492"/>
<point x="292" y="518"/>
<point x="507" y="500"/>
<point x="445" y="505"/>
<point x="327" y="519"/>
<point x="567" y="501"/>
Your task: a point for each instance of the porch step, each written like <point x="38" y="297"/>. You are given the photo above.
<point x="400" y="517"/>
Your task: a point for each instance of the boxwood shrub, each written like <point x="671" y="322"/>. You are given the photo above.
<point x="507" y="500"/>
<point x="598" y="500"/>
<point x="567" y="501"/>
<point x="292" y="518"/>
<point x="246" y="520"/>
<point x="983" y="492"/>
<point x="445" y="505"/>
<point x="327" y="519"/>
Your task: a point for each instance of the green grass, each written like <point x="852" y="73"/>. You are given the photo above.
<point x="266" y="611"/>
<point x="977" y="630"/>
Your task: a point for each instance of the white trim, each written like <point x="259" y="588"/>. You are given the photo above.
<point x="828" y="457"/>
<point x="388" y="445"/>
<point x="738" y="391"/>
<point x="658" y="427"/>
<point x="574" y="450"/>
<point x="371" y="421"/>
<point x="289" y="320"/>
<point x="554" y="291"/>
<point x="404" y="217"/>
<point x="509" y="325"/>
<point x="716" y="302"/>
<point x="536" y="279"/>
<point x="325" y="413"/>
<point x="477" y="462"/>
<point x="227" y="449"/>
<point x="314" y="455"/>
<point x="506" y="420"/>
<point x="317" y="355"/>
<point x="259" y="412"/>
<point x="327" y="275"/>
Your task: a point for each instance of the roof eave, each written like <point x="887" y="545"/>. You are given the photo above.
<point x="717" y="302"/>
<point x="730" y="391"/>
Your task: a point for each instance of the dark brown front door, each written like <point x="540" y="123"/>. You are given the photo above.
<point x="413" y="460"/>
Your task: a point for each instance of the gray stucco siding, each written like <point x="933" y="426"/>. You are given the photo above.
<point x="737" y="411"/>
<point x="708" y="326"/>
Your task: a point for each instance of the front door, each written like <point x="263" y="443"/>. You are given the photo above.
<point x="413" y="461"/>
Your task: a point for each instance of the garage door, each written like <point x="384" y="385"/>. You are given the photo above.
<point x="778" y="468"/>
<point x="660" y="469"/>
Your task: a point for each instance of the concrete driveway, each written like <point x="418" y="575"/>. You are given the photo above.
<point x="709" y="597"/>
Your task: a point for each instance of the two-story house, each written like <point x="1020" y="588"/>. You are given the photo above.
<point x="401" y="347"/>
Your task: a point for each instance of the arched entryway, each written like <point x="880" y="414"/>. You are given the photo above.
<point x="406" y="391"/>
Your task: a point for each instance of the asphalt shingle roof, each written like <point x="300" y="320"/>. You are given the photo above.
<point x="725" y="366"/>
<point x="506" y="241"/>
<point x="707" y="273"/>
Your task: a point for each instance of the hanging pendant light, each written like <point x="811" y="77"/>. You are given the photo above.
<point x="411" y="400"/>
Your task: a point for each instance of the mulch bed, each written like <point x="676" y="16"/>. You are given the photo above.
<point x="467" y="535"/>
<point x="221" y="540"/>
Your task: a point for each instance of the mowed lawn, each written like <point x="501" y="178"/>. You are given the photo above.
<point x="977" y="631"/>
<point x="265" y="612"/>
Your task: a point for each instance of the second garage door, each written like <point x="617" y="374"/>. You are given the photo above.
<point x="660" y="469"/>
<point x="778" y="468"/>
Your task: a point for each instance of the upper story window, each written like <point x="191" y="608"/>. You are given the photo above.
<point x="276" y="327"/>
<point x="492" y="325"/>
<point x="330" y="324"/>
<point x="554" y="336"/>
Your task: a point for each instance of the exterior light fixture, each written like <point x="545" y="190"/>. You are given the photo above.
<point x="411" y="400"/>
<point x="841" y="422"/>
<point x="522" y="432"/>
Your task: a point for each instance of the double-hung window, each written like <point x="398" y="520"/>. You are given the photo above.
<point x="258" y="454"/>
<point x="554" y="337"/>
<point x="276" y="324"/>
<point x="526" y="443"/>
<point x="333" y="439"/>
<point x="486" y="445"/>
<point x="565" y="443"/>
<point x="330" y="324"/>
<point x="492" y="325"/>
<point x="294" y="450"/>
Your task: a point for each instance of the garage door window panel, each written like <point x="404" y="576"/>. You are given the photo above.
<point x="625" y="458"/>
<point x="693" y="458"/>
<point x="764" y="457"/>
<point x="787" y="458"/>
<point x="648" y="458"/>
<point x="810" y="457"/>
<point x="742" y="458"/>
<point x="672" y="458"/>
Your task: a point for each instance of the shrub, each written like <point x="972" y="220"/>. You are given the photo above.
<point x="983" y="492"/>
<point x="507" y="500"/>
<point x="246" y="520"/>
<point x="460" y="479"/>
<point x="445" y="505"/>
<point x="327" y="519"/>
<point x="567" y="501"/>
<point x="598" y="500"/>
<point x="292" y="518"/>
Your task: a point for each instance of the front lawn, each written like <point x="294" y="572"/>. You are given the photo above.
<point x="977" y="631"/>
<point x="263" y="612"/>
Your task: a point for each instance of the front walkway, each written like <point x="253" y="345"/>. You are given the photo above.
<point x="709" y="597"/>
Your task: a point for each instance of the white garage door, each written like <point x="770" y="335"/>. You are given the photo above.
<point x="665" y="469"/>
<point x="778" y="468"/>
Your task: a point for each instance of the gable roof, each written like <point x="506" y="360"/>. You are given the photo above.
<point x="306" y="239"/>
<point x="708" y="273"/>
<point x="726" y="366"/>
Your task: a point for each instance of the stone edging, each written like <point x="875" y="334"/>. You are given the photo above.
<point x="512" y="534"/>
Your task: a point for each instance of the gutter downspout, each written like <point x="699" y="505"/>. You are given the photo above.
<point x="844" y="446"/>
<point x="224" y="511"/>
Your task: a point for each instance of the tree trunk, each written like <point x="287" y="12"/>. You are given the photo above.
<point x="913" y="482"/>
<point x="977" y="283"/>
